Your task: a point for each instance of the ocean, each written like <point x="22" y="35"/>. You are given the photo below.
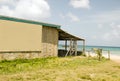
<point x="113" y="50"/>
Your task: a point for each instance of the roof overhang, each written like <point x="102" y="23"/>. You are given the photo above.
<point x="28" y="21"/>
<point x="66" y="36"/>
<point x="62" y="34"/>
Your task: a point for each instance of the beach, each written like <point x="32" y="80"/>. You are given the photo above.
<point x="114" y="51"/>
<point x="113" y="57"/>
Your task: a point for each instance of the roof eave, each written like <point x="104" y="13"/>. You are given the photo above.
<point x="29" y="21"/>
<point x="67" y="36"/>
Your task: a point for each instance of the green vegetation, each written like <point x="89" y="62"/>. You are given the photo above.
<point x="98" y="52"/>
<point x="59" y="69"/>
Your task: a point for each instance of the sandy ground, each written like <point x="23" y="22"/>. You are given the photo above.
<point x="113" y="57"/>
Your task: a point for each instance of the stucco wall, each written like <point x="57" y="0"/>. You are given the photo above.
<point x="16" y="36"/>
<point x="49" y="41"/>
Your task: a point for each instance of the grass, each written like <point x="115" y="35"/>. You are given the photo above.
<point x="59" y="69"/>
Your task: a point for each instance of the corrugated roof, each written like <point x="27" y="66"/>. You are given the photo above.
<point x="28" y="21"/>
<point x="66" y="36"/>
<point x="62" y="34"/>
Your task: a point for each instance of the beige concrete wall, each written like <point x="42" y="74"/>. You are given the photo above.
<point x="49" y="41"/>
<point x="16" y="36"/>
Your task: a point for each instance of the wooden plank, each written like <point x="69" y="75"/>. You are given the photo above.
<point x="65" y="44"/>
<point x="75" y="48"/>
<point x="84" y="47"/>
<point x="108" y="54"/>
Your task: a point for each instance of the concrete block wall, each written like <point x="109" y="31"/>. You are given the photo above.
<point x="12" y="56"/>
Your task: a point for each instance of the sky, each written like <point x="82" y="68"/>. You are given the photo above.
<point x="97" y="21"/>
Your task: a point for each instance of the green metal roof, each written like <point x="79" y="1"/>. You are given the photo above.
<point x="28" y="21"/>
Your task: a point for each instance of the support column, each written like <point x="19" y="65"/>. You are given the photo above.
<point x="83" y="46"/>
<point x="75" y="48"/>
<point x="71" y="46"/>
<point x="108" y="54"/>
<point x="69" y="51"/>
<point x="65" y="44"/>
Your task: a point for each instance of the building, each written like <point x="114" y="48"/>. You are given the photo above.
<point x="21" y="38"/>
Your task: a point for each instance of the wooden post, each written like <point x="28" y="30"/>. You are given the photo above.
<point x="65" y="44"/>
<point x="75" y="47"/>
<point x="71" y="42"/>
<point x="108" y="54"/>
<point x="70" y="48"/>
<point x="100" y="54"/>
<point x="83" y="46"/>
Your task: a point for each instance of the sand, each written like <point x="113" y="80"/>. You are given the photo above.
<point x="113" y="57"/>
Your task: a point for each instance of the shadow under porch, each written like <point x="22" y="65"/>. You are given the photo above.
<point x="70" y="47"/>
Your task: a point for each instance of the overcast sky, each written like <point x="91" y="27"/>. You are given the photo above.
<point x="98" y="21"/>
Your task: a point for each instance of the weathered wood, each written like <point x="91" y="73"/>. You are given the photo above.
<point x="108" y="54"/>
<point x="69" y="50"/>
<point x="83" y="46"/>
<point x="72" y="48"/>
<point x="75" y="47"/>
<point x="65" y="44"/>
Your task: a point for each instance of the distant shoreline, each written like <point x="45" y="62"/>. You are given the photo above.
<point x="95" y="46"/>
<point x="113" y="50"/>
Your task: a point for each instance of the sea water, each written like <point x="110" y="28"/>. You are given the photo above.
<point x="113" y="50"/>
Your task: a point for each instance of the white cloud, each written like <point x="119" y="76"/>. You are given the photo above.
<point x="114" y="34"/>
<point x="94" y="37"/>
<point x="28" y="9"/>
<point x="73" y="17"/>
<point x="80" y="3"/>
<point x="105" y="17"/>
<point x="70" y="17"/>
<point x="62" y="16"/>
<point x="100" y="26"/>
<point x="112" y="25"/>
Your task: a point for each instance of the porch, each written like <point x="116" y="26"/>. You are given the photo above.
<point x="70" y="47"/>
